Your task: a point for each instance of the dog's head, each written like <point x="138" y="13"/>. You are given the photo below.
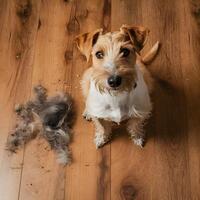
<point x="113" y="56"/>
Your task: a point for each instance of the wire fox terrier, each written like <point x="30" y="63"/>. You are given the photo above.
<point x="117" y="86"/>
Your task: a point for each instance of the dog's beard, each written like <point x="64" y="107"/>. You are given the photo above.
<point x="128" y="75"/>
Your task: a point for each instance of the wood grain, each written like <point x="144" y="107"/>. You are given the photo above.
<point x="16" y="83"/>
<point x="89" y="176"/>
<point x="37" y="46"/>
<point x="42" y="178"/>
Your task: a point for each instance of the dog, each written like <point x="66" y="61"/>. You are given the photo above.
<point x="117" y="86"/>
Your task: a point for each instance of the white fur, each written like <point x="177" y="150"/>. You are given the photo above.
<point x="120" y="106"/>
<point x="139" y="141"/>
<point x="100" y="140"/>
<point x="109" y="65"/>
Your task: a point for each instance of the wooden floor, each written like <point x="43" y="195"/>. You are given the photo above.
<point x="36" y="46"/>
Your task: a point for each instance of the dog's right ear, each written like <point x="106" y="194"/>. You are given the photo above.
<point x="86" y="41"/>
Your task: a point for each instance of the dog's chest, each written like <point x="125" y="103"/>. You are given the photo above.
<point x="120" y="106"/>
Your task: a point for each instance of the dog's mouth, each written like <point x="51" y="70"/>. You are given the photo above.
<point x="114" y="89"/>
<point x="124" y="86"/>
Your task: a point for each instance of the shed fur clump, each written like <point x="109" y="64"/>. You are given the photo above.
<point x="49" y="117"/>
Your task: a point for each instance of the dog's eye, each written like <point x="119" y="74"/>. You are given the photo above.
<point x="99" y="54"/>
<point x="125" y="52"/>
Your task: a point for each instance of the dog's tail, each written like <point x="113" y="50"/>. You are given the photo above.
<point x="150" y="55"/>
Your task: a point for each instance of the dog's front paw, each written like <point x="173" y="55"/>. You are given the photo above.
<point x="101" y="140"/>
<point x="86" y="116"/>
<point x="139" y="141"/>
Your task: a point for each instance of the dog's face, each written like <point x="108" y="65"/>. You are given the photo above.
<point x="113" y="56"/>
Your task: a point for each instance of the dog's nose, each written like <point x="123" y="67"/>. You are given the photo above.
<point x="114" y="81"/>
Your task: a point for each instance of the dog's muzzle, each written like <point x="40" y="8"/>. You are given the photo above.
<point x="114" y="81"/>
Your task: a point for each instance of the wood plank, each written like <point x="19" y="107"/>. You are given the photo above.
<point x="10" y="176"/>
<point x="5" y="35"/>
<point x="89" y="176"/>
<point x="42" y="177"/>
<point x="18" y="36"/>
<point x="128" y="162"/>
<point x="190" y="45"/>
<point x="163" y="165"/>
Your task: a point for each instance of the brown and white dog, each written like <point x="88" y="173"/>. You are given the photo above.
<point x="117" y="86"/>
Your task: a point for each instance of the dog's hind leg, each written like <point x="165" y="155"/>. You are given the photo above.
<point x="102" y="132"/>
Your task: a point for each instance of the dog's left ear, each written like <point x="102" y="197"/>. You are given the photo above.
<point x="138" y="35"/>
<point x="86" y="41"/>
